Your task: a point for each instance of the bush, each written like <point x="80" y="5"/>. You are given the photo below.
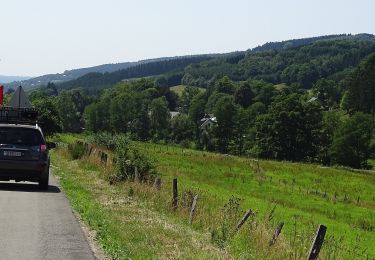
<point x="104" y="139"/>
<point x="129" y="160"/>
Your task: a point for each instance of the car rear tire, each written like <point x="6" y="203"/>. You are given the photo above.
<point x="44" y="179"/>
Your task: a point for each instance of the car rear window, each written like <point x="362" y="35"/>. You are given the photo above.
<point x="20" y="136"/>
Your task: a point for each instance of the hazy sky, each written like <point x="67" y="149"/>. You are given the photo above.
<point x="48" y="36"/>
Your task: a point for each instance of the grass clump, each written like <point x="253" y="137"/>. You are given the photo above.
<point x="76" y="150"/>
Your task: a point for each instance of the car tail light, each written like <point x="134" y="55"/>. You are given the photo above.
<point x="43" y="147"/>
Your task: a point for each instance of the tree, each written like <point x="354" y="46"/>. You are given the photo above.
<point x="225" y="111"/>
<point x="140" y="126"/>
<point x="225" y="85"/>
<point x="70" y="117"/>
<point x="187" y="97"/>
<point x="264" y="92"/>
<point x="159" y="118"/>
<point x="121" y="112"/>
<point x="290" y="129"/>
<point x="331" y="122"/>
<point x="90" y="117"/>
<point x="352" y="141"/>
<point x="161" y="82"/>
<point x="51" y="89"/>
<point x="244" y="95"/>
<point x="182" y="128"/>
<point x="196" y="110"/>
<point x="48" y="116"/>
<point x="70" y="106"/>
<point x="326" y="92"/>
<point x="360" y="94"/>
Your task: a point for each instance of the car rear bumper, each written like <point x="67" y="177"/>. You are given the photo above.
<point x="22" y="170"/>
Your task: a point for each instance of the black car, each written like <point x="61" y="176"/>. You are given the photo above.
<point x="24" y="154"/>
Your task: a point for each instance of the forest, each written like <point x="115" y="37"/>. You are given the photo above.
<point x="310" y="103"/>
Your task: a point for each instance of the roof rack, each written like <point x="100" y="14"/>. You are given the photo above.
<point x="21" y="115"/>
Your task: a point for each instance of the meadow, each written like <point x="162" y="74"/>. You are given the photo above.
<point x="300" y="195"/>
<point x="303" y="195"/>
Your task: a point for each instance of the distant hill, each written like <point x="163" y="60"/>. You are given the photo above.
<point x="300" y="61"/>
<point x="29" y="83"/>
<point x="331" y="57"/>
<point x="253" y="64"/>
<point x="305" y="41"/>
<point x="8" y="79"/>
<point x="68" y="75"/>
<point x="171" y="67"/>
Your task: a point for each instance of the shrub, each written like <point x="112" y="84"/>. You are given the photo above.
<point x="129" y="160"/>
<point x="105" y="139"/>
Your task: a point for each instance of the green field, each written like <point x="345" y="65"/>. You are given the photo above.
<point x="301" y="195"/>
<point x="342" y="200"/>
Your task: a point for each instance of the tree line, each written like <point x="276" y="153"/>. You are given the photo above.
<point x="331" y="123"/>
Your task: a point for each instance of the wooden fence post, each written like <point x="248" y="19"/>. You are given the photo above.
<point x="157" y="183"/>
<point x="317" y="243"/>
<point x="192" y="210"/>
<point x="175" y="194"/>
<point x="244" y="218"/>
<point x="277" y="233"/>
<point x="114" y="161"/>
<point x="104" y="158"/>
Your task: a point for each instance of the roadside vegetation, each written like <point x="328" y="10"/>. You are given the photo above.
<point x="300" y="195"/>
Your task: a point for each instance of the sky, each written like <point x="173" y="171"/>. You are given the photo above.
<point x="39" y="37"/>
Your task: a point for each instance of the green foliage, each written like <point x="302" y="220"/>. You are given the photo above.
<point x="225" y="85"/>
<point x="196" y="110"/>
<point x="327" y="93"/>
<point x="360" y="95"/>
<point x="331" y="122"/>
<point x="230" y="214"/>
<point x="159" y="118"/>
<point x="244" y="95"/>
<point x="70" y="105"/>
<point x="187" y="97"/>
<point x="303" y="65"/>
<point x="352" y="141"/>
<point x="131" y="161"/>
<point x="48" y="116"/>
<point x="76" y="150"/>
<point x="225" y="111"/>
<point x="104" y="139"/>
<point x="290" y="129"/>
<point x="182" y="128"/>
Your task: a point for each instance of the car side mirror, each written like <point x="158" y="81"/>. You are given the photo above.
<point x="51" y="145"/>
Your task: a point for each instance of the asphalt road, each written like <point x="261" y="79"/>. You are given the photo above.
<point x="38" y="224"/>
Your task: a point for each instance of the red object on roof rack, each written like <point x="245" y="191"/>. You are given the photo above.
<point x="1" y="94"/>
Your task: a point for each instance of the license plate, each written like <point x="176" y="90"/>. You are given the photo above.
<point x="12" y="154"/>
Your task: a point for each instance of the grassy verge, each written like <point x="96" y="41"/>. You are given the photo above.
<point x="126" y="225"/>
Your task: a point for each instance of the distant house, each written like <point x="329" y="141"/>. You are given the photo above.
<point x="208" y="121"/>
<point x="313" y="99"/>
<point x="174" y="114"/>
